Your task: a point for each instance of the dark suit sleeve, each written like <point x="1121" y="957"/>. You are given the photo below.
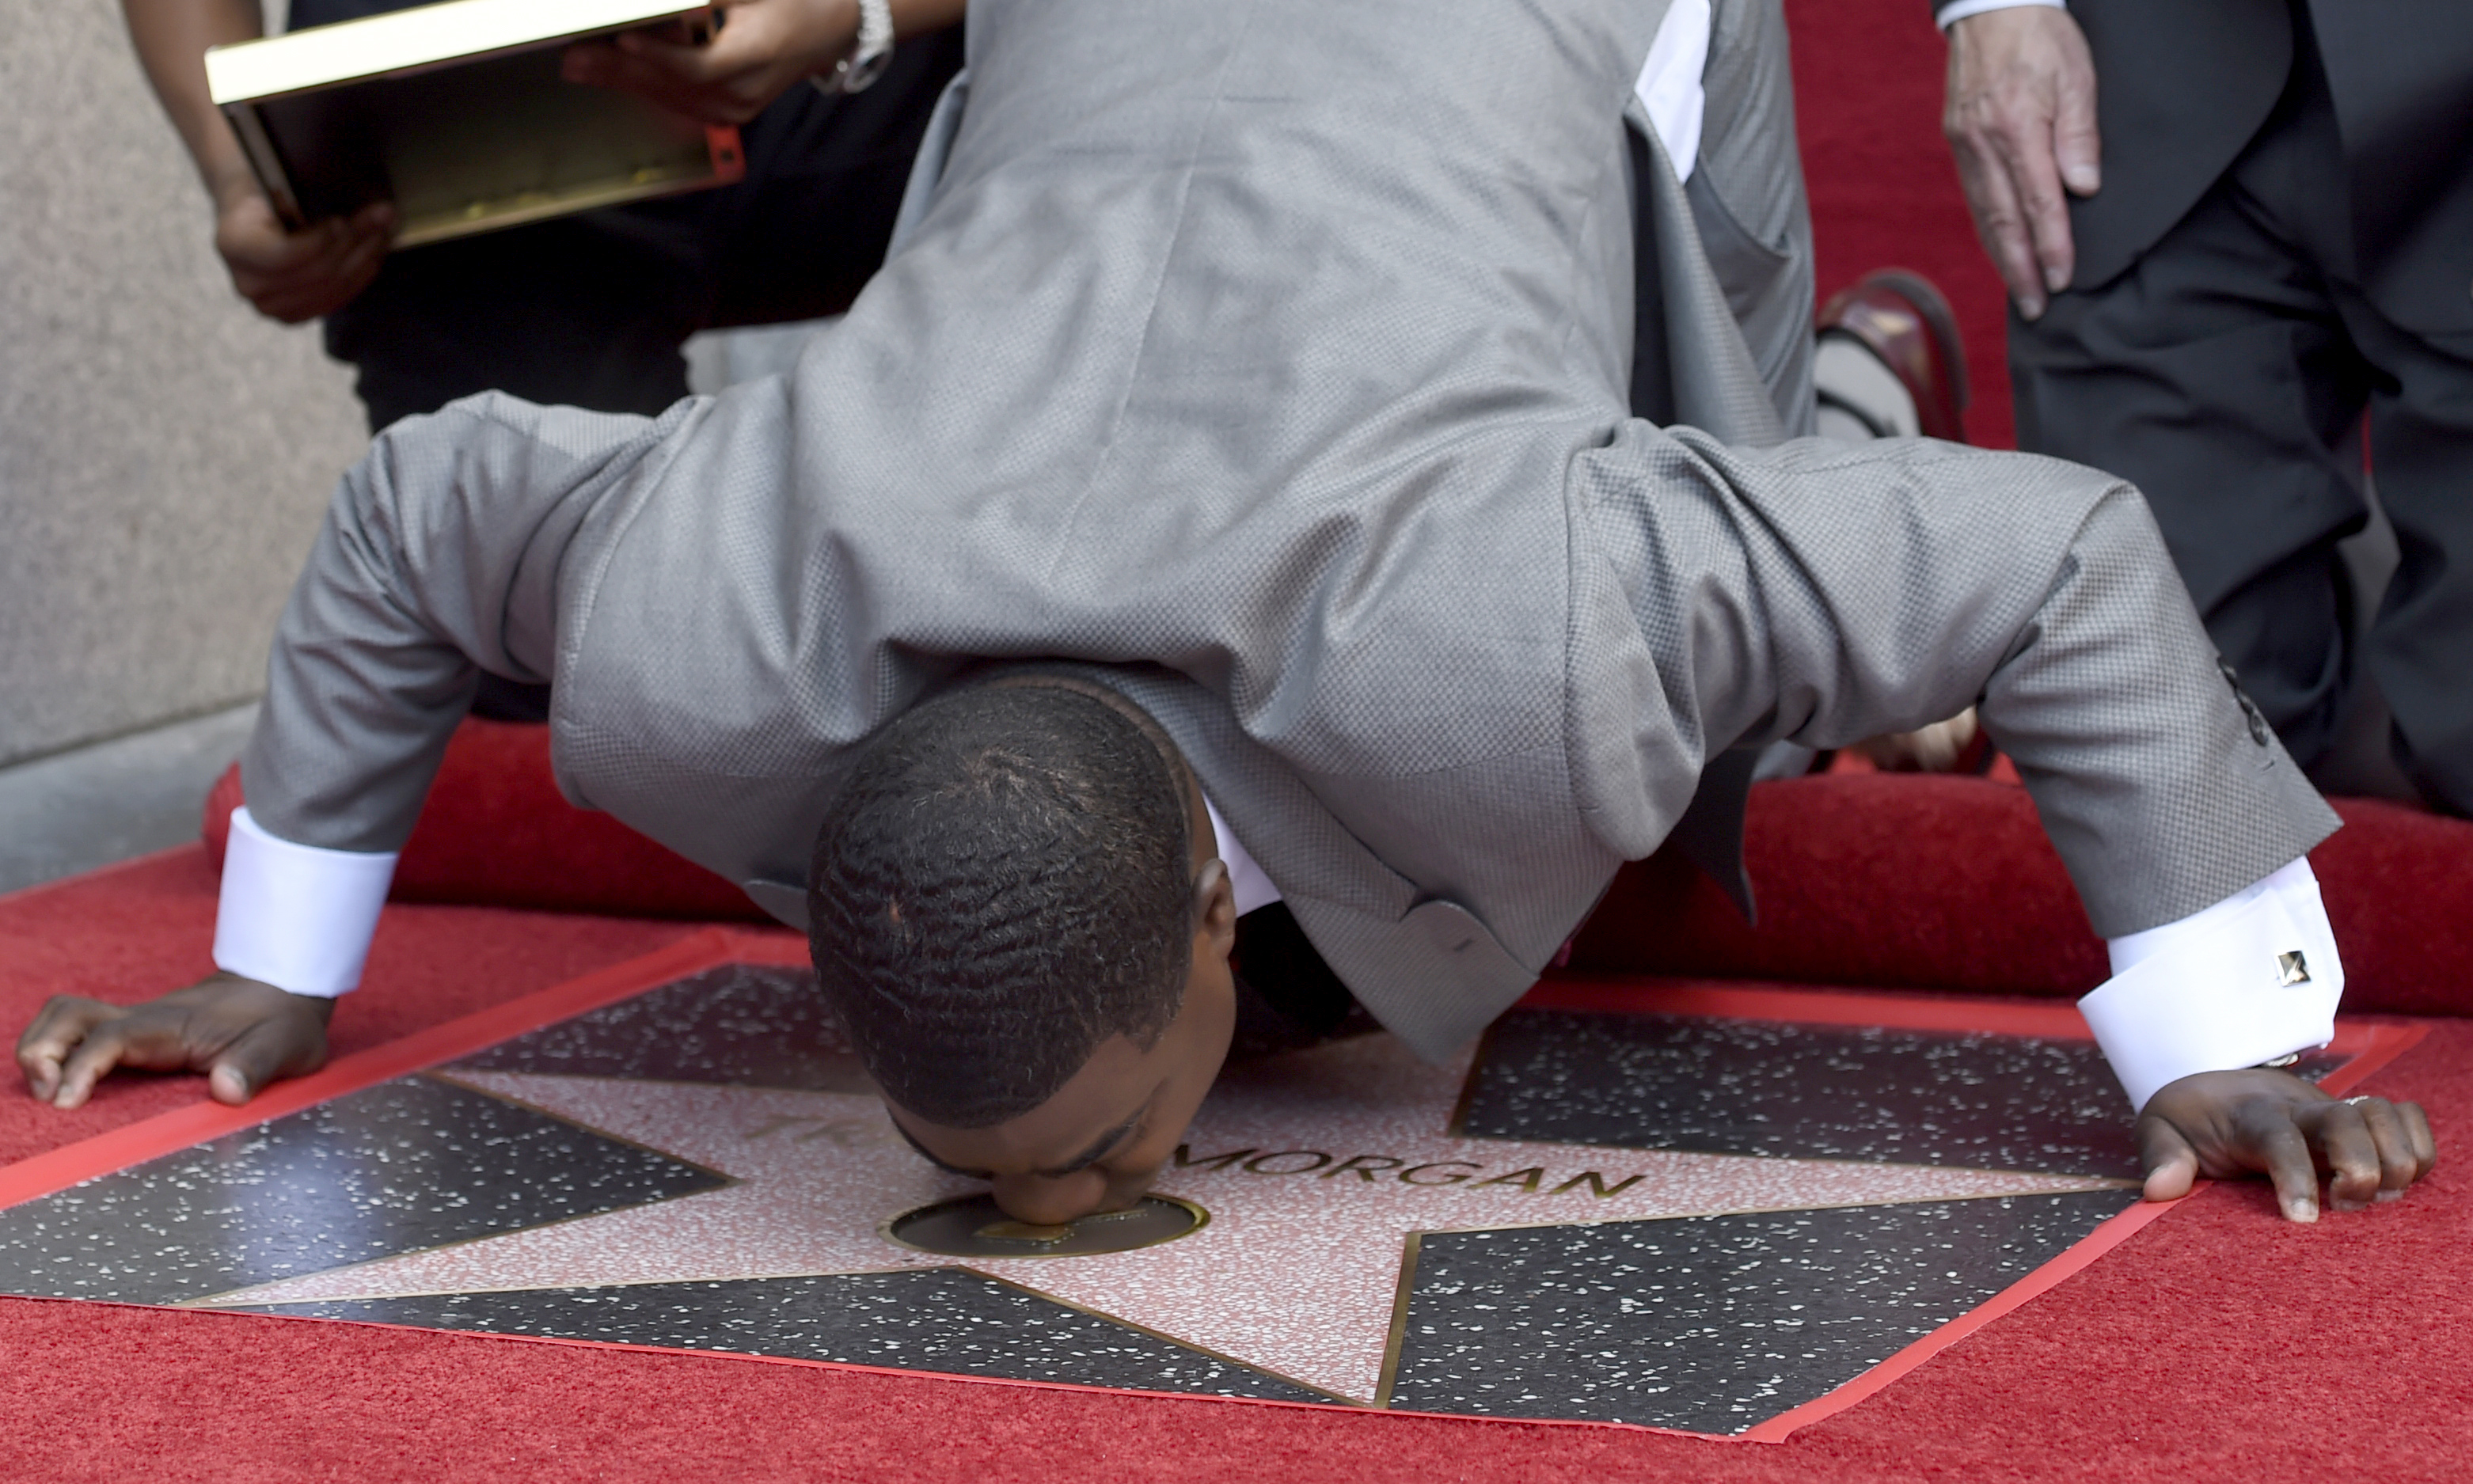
<point x="443" y="554"/>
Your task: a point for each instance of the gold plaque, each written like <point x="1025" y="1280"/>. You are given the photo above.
<point x="460" y="114"/>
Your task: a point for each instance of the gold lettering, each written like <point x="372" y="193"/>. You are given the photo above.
<point x="1184" y="1160"/>
<point x="1598" y="1183"/>
<point x="1526" y="1180"/>
<point x="1364" y="1170"/>
<point x="1254" y="1167"/>
<point x="1448" y="1180"/>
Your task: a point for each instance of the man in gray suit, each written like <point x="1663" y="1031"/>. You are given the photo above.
<point x="1230" y="495"/>
<point x="2231" y="227"/>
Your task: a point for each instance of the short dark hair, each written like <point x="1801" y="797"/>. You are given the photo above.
<point x="1002" y="884"/>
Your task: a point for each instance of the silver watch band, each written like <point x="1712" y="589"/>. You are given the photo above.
<point x="871" y="51"/>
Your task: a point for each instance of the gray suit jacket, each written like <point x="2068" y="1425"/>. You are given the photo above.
<point x="1270" y="358"/>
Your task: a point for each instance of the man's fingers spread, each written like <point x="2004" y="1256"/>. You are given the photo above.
<point x="2172" y="1165"/>
<point x="2171" y="1179"/>
<point x="40" y="1066"/>
<point x="2399" y="1165"/>
<point x="265" y="1051"/>
<point x="42" y="1074"/>
<point x="2351" y="1154"/>
<point x="55" y="1032"/>
<point x="2416" y="1127"/>
<point x="97" y="1054"/>
<point x="2275" y="1142"/>
<point x="249" y="1064"/>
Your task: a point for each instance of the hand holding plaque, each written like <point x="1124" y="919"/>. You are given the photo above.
<point x="294" y="276"/>
<point x="764" y="48"/>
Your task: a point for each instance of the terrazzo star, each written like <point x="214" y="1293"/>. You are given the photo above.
<point x="1301" y="460"/>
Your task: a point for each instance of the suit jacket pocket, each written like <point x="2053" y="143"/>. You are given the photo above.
<point x="1748" y="264"/>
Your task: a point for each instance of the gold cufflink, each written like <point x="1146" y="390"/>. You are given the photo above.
<point x="2292" y="969"/>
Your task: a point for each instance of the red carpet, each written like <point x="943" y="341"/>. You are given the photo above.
<point x="2216" y="1343"/>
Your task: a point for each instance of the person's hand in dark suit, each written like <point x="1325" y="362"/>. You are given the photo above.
<point x="2020" y="116"/>
<point x="762" y="49"/>
<point x="2222" y="1124"/>
<point x="241" y="1033"/>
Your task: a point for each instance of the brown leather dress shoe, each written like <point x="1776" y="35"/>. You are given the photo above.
<point x="1902" y="318"/>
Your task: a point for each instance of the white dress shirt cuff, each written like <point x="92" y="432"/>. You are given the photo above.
<point x="2250" y="979"/>
<point x="1949" y="14"/>
<point x="1252" y="886"/>
<point x="294" y="915"/>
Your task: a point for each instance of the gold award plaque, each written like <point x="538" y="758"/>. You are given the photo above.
<point x="974" y="1225"/>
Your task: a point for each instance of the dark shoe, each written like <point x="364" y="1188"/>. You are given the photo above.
<point x="1902" y="318"/>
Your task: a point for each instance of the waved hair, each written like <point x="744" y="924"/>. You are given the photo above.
<point x="1002" y="884"/>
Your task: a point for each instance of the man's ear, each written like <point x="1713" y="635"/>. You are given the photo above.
<point x="1215" y="899"/>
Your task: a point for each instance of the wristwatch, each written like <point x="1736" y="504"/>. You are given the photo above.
<point x="871" y="51"/>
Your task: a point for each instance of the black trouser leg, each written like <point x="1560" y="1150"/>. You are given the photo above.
<point x="2420" y="647"/>
<point x="2217" y="375"/>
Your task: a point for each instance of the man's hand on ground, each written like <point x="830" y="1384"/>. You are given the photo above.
<point x="293" y="277"/>
<point x="764" y="48"/>
<point x="2020" y="117"/>
<point x="2219" y="1124"/>
<point x="240" y="1033"/>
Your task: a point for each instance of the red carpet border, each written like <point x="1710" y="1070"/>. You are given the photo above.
<point x="1908" y="883"/>
<point x="1948" y="883"/>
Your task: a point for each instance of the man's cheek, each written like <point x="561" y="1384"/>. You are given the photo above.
<point x="1134" y="1175"/>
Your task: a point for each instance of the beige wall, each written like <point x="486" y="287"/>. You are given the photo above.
<point x="164" y="452"/>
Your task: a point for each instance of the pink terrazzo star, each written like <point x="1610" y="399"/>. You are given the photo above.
<point x="1316" y="1166"/>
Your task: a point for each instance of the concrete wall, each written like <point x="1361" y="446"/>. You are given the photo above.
<point x="164" y="452"/>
